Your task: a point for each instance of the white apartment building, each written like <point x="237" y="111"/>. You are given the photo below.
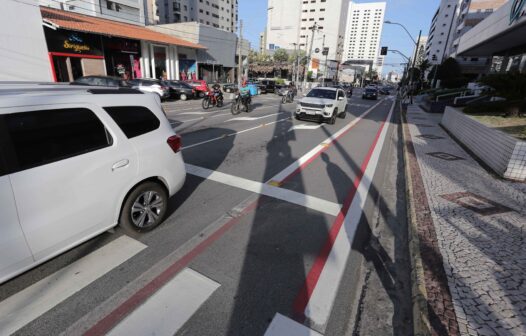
<point x="440" y="36"/>
<point x="221" y="14"/>
<point x="421" y="54"/>
<point x="129" y="11"/>
<point x="290" y="22"/>
<point x="363" y="32"/>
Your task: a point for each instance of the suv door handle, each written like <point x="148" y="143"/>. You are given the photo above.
<point x="120" y="164"/>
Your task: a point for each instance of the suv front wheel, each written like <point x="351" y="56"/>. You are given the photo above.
<point x="144" y="208"/>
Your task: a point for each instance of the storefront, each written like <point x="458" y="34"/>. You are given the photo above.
<point x="122" y="57"/>
<point x="74" y="54"/>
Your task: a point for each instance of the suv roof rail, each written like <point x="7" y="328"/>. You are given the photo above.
<point x="114" y="91"/>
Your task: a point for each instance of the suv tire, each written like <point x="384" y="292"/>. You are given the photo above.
<point x="144" y="208"/>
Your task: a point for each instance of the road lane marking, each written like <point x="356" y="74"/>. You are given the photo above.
<point x="282" y="325"/>
<point x="290" y="196"/>
<point x="253" y="118"/>
<point x="23" y="307"/>
<point x="305" y="127"/>
<point x="316" y="299"/>
<point x="234" y="133"/>
<point x="197" y="113"/>
<point x="295" y="167"/>
<point x="165" y="312"/>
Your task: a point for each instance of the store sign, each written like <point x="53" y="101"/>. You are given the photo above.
<point x="71" y="42"/>
<point x="518" y="10"/>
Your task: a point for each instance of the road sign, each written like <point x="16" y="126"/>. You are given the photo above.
<point x="325" y="51"/>
<point x="317" y="50"/>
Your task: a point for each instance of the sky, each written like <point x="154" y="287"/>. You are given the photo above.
<point x="415" y="15"/>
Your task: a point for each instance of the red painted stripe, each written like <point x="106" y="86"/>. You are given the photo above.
<point x="118" y="314"/>
<point x="315" y="156"/>
<point x="303" y="297"/>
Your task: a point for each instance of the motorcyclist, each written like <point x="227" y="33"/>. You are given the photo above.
<point x="216" y="89"/>
<point x="244" y="92"/>
<point x="292" y="91"/>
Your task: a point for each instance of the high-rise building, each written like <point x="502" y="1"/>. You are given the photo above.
<point x="321" y="22"/>
<point x="221" y="14"/>
<point x="263" y="42"/>
<point x="421" y="54"/>
<point x="441" y="32"/>
<point x="363" y="32"/>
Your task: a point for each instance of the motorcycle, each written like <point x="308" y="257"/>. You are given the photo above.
<point x="239" y="101"/>
<point x="287" y="97"/>
<point x="211" y="99"/>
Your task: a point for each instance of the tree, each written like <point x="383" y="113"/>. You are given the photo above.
<point x="281" y="55"/>
<point x="297" y="53"/>
<point x="450" y="74"/>
<point x="423" y="67"/>
<point x="511" y="86"/>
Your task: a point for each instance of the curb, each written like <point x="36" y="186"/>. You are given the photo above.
<point x="421" y="324"/>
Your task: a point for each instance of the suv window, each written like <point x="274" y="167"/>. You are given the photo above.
<point x="133" y="120"/>
<point x="340" y="94"/>
<point x="46" y="136"/>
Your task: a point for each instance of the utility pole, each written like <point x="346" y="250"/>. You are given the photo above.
<point x="323" y="48"/>
<point x="294" y="68"/>
<point x="297" y="61"/>
<point x="239" y="57"/>
<point x="313" y="28"/>
<point x="413" y="66"/>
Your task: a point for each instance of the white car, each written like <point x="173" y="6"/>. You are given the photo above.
<point x="322" y="104"/>
<point x="77" y="162"/>
<point x="148" y="85"/>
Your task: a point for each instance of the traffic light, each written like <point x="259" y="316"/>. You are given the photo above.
<point x="383" y="52"/>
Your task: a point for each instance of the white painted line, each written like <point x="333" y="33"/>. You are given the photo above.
<point x="23" y="307"/>
<point x="290" y="196"/>
<point x="305" y="127"/>
<point x="169" y="308"/>
<point x="283" y="326"/>
<point x="322" y="299"/>
<point x="197" y="113"/>
<point x="253" y="118"/>
<point x="232" y="134"/>
<point x="302" y="160"/>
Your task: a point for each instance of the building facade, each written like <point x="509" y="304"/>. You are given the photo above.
<point x="301" y="22"/>
<point x="500" y="37"/>
<point x="129" y="11"/>
<point x="220" y="14"/>
<point x="420" y="54"/>
<point x="364" y="31"/>
<point x="440" y="35"/>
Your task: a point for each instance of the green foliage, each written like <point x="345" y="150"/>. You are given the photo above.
<point x="280" y="81"/>
<point x="450" y="74"/>
<point x="423" y="67"/>
<point x="281" y="55"/>
<point x="299" y="53"/>
<point x="510" y="85"/>
<point x="309" y="75"/>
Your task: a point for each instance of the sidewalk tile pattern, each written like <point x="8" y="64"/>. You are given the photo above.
<point x="480" y="224"/>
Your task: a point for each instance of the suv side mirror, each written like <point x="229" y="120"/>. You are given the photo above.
<point x="340" y="98"/>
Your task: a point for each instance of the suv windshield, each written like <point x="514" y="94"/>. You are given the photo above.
<point x="370" y="90"/>
<point x="325" y="94"/>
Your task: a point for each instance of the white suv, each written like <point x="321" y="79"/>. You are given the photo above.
<point x="322" y="104"/>
<point x="77" y="162"/>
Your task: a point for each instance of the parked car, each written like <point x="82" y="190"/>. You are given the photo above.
<point x="384" y="90"/>
<point x="370" y="92"/>
<point x="270" y="85"/>
<point x="229" y="88"/>
<point x="75" y="163"/>
<point x="101" y="81"/>
<point x="181" y="90"/>
<point x="151" y="86"/>
<point x="322" y="104"/>
<point x="200" y="87"/>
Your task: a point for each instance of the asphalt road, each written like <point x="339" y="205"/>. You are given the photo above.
<point x="254" y="232"/>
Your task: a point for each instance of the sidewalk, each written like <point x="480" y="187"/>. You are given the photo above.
<point x="468" y="237"/>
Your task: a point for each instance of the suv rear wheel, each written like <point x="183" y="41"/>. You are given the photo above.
<point x="144" y="208"/>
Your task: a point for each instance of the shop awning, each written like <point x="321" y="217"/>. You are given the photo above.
<point x="90" y="24"/>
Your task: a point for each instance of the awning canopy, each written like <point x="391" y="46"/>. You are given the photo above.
<point x="90" y="24"/>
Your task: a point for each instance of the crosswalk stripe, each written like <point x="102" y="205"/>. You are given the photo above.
<point x="282" y="325"/>
<point x="28" y="304"/>
<point x="167" y="310"/>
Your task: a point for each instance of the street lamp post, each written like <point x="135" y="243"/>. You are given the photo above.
<point x="417" y="44"/>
